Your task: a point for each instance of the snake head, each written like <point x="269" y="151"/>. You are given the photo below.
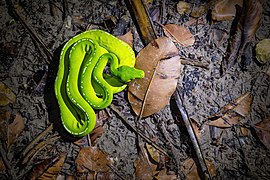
<point x="127" y="73"/>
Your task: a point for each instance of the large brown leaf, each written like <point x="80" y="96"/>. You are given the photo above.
<point x="180" y="34"/>
<point x="161" y="65"/>
<point x="91" y="158"/>
<point x="232" y="113"/>
<point x="225" y="9"/>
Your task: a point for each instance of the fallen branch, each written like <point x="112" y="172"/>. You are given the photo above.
<point x="192" y="136"/>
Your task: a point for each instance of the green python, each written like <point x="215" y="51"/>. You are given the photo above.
<point x="93" y="66"/>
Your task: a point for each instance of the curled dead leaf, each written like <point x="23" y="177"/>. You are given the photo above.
<point x="232" y="113"/>
<point x="262" y="130"/>
<point x="161" y="65"/>
<point x="91" y="158"/>
<point x="6" y="95"/>
<point x="179" y="34"/>
<point x="245" y="25"/>
<point x="225" y="9"/>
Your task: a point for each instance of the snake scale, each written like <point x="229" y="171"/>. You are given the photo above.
<point x="93" y="66"/>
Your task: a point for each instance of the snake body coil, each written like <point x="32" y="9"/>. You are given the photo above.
<point x="81" y="83"/>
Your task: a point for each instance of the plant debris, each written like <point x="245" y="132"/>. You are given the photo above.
<point x="162" y="68"/>
<point x="232" y="113"/>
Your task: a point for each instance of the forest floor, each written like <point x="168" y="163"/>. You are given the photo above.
<point x="33" y="141"/>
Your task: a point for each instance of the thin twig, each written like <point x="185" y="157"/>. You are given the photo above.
<point x="38" y="148"/>
<point x="137" y="130"/>
<point x="192" y="135"/>
<point x="195" y="63"/>
<point x="40" y="136"/>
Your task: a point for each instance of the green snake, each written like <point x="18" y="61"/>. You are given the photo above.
<point x="93" y="66"/>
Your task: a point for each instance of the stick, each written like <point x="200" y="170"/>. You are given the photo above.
<point x="192" y="136"/>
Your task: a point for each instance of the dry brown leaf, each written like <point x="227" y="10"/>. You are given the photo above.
<point x="15" y="129"/>
<point x="183" y="7"/>
<point x="91" y="158"/>
<point x="262" y="130"/>
<point x="189" y="168"/>
<point x="232" y="113"/>
<point x="82" y="142"/>
<point x="96" y="133"/>
<point x="179" y="34"/>
<point x="243" y="29"/>
<point x="41" y="168"/>
<point x="54" y="170"/>
<point x="162" y="68"/>
<point x="144" y="169"/>
<point x="6" y="95"/>
<point x="225" y="9"/>
<point x="128" y="38"/>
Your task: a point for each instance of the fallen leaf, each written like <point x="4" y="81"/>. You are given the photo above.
<point x="54" y="170"/>
<point x="263" y="51"/>
<point x="231" y="114"/>
<point x="225" y="9"/>
<point x="183" y="7"/>
<point x="189" y="168"/>
<point x="144" y="169"/>
<point x="82" y="142"/>
<point x="243" y="29"/>
<point x="15" y="129"/>
<point x="93" y="159"/>
<point x="6" y="95"/>
<point x="262" y="130"/>
<point x="128" y="38"/>
<point x="40" y="169"/>
<point x="180" y="34"/>
<point x="161" y="65"/>
<point x="153" y="152"/>
<point x="95" y="134"/>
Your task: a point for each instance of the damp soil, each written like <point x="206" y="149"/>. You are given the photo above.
<point x="27" y="69"/>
